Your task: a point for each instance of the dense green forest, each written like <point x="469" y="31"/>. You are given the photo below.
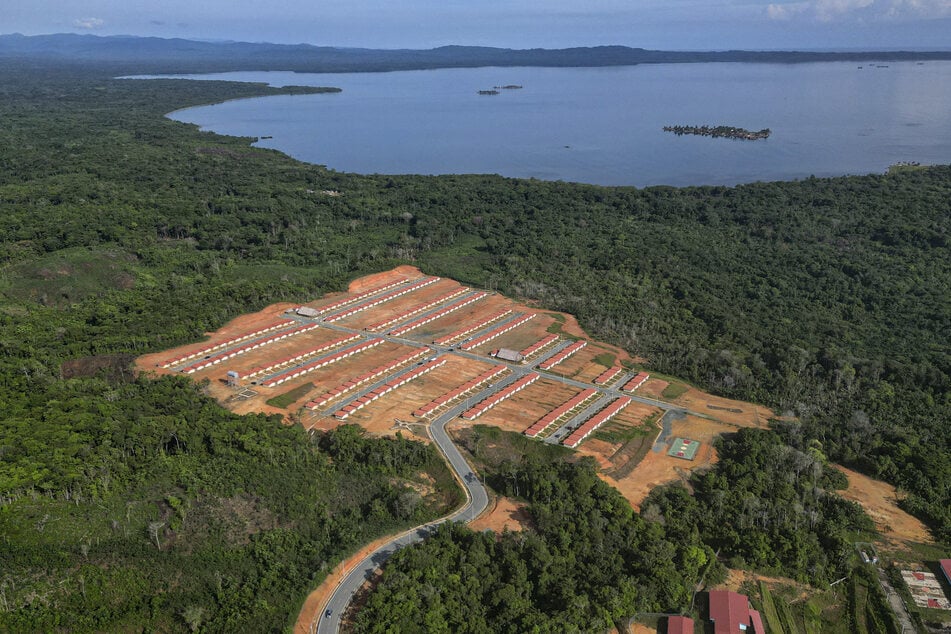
<point x="123" y="232"/>
<point x="589" y="562"/>
<point x="767" y="506"/>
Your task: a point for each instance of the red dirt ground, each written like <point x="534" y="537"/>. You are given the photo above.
<point x="659" y="468"/>
<point x="504" y="514"/>
<point x="376" y="280"/>
<point x="748" y="414"/>
<point x="518" y="412"/>
<point x="880" y="501"/>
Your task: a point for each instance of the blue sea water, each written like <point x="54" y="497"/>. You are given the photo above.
<point x="604" y="125"/>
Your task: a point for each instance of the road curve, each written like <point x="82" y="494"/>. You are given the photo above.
<point x="478" y="500"/>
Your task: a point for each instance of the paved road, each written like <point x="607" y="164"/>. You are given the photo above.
<point x="478" y="500"/>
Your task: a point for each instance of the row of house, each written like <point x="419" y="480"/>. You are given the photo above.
<point x="556" y="414"/>
<point x="551" y="362"/>
<point x="463" y="390"/>
<point x="353" y="299"/>
<point x="422" y="321"/>
<point x="589" y="426"/>
<point x="393" y="384"/>
<point x="415" y="310"/>
<point x="498" y="332"/>
<point x="538" y="346"/>
<point x="491" y="401"/>
<point x="382" y="299"/>
<point x="459" y="334"/>
<point x="366" y="377"/>
<point x="201" y="352"/>
<point x="225" y="355"/>
<point x="313" y="366"/>
<point x="285" y="361"/>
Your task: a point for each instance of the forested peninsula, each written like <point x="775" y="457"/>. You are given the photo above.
<point x="152" y="54"/>
<point x="128" y="502"/>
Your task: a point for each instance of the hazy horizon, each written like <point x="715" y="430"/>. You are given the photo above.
<point x="420" y="24"/>
<point x="555" y="46"/>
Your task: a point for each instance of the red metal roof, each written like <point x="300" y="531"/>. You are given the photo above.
<point x="679" y="625"/>
<point x="728" y="611"/>
<point x="756" y="622"/>
<point x="946" y="568"/>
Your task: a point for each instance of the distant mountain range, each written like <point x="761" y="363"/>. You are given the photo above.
<point x="145" y="54"/>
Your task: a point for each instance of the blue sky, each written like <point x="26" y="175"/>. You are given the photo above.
<point x="660" y="24"/>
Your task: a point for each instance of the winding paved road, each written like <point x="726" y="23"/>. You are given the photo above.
<point x="478" y="500"/>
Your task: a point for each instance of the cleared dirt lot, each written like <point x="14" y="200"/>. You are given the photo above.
<point x="724" y="409"/>
<point x="880" y="501"/>
<point x="505" y="514"/>
<point x="521" y="410"/>
<point x="658" y="468"/>
<point x="623" y="447"/>
<point x="386" y="415"/>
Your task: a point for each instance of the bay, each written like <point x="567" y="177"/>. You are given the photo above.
<point x="604" y="125"/>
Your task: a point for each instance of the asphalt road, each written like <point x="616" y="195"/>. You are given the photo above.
<point x="478" y="500"/>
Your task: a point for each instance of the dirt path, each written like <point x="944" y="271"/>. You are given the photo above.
<point x="894" y="600"/>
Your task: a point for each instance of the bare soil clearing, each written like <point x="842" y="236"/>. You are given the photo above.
<point x="736" y="578"/>
<point x="880" y="501"/>
<point x="505" y="514"/>
<point x="723" y="409"/>
<point x="392" y="413"/>
<point x="658" y="468"/>
<point x="376" y="280"/>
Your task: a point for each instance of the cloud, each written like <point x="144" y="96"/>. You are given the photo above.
<point x="860" y="10"/>
<point x="786" y="11"/>
<point x="830" y="10"/>
<point x="88" y="23"/>
<point x="919" y="8"/>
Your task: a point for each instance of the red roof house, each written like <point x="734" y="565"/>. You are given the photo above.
<point x="946" y="568"/>
<point x="756" y="622"/>
<point x="730" y="613"/>
<point x="679" y="625"/>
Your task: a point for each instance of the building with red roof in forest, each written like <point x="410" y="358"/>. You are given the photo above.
<point x="730" y="613"/>
<point x="679" y="625"/>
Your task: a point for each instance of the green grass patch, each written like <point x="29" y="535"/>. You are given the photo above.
<point x="606" y="359"/>
<point x="617" y="434"/>
<point x="674" y="390"/>
<point x="291" y="396"/>
<point x="70" y="275"/>
<point x="786" y="617"/>
<point x="770" y="614"/>
<point x="557" y="317"/>
<point x="466" y="261"/>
